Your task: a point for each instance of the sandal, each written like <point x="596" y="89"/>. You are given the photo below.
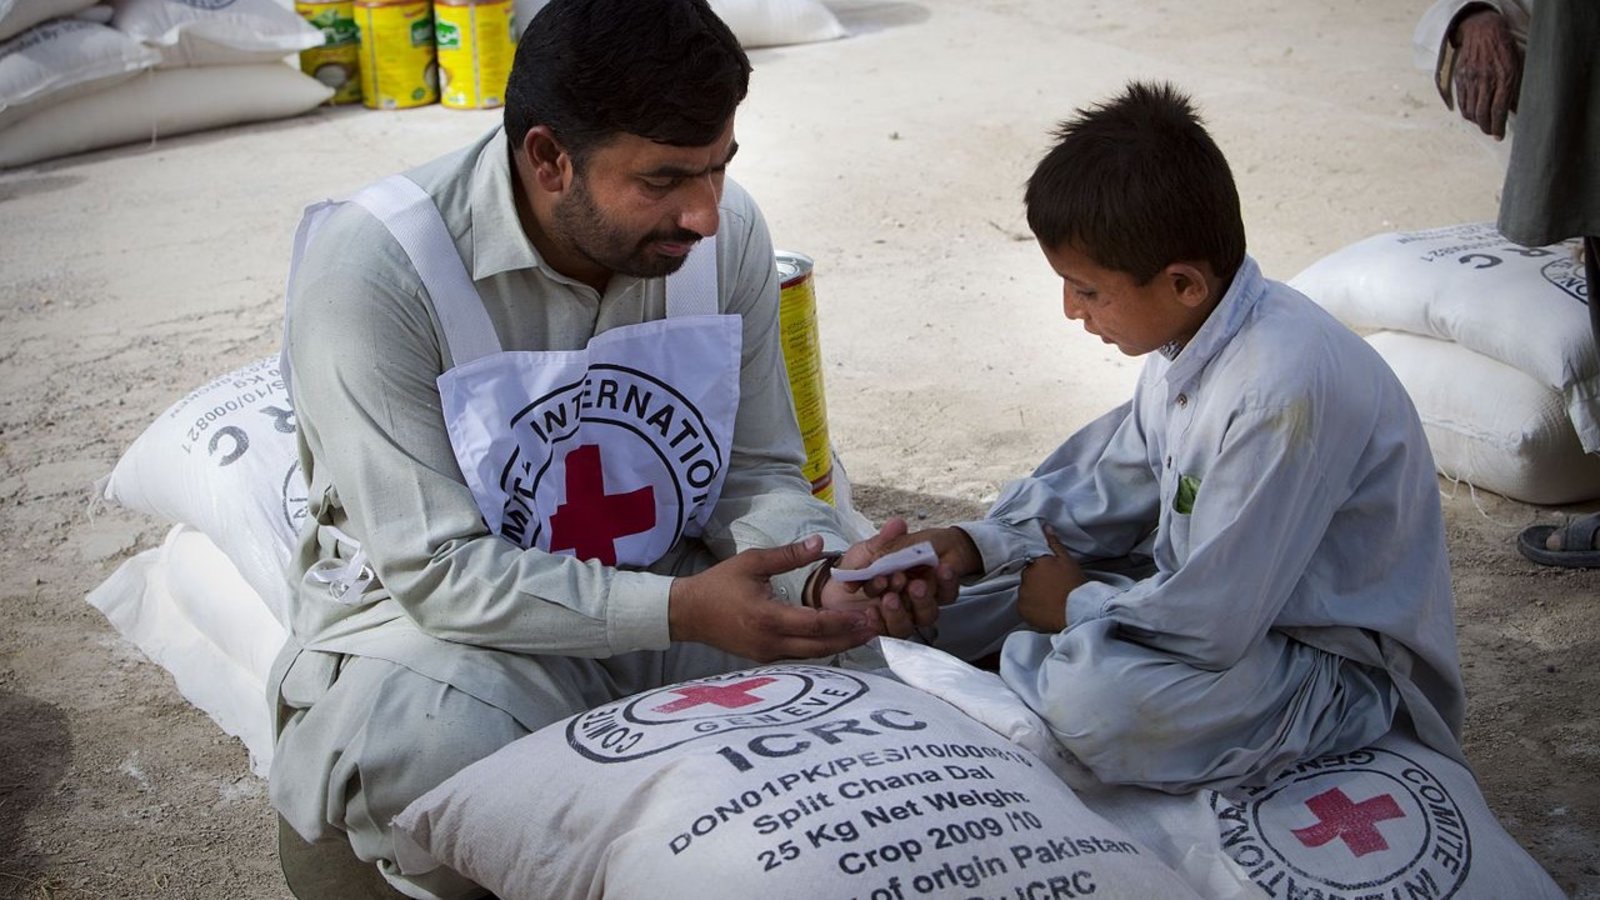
<point x="1577" y="547"/>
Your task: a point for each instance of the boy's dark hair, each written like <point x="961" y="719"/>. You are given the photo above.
<point x="667" y="70"/>
<point x="1136" y="183"/>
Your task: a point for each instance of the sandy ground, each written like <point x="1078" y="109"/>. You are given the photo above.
<point x="896" y="159"/>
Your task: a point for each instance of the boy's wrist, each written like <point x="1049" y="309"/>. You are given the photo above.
<point x="811" y="595"/>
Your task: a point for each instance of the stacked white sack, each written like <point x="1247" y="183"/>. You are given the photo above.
<point x="186" y="607"/>
<point x="17" y="16"/>
<point x="210" y="605"/>
<point x="756" y="23"/>
<point x="209" y="66"/>
<point x="1508" y="383"/>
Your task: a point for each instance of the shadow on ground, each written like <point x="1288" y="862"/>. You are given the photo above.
<point x="878" y="502"/>
<point x="35" y="751"/>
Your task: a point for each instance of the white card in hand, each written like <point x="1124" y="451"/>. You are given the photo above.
<point x="900" y="560"/>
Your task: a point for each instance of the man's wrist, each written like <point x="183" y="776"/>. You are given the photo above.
<point x="681" y="609"/>
<point x="1467" y="14"/>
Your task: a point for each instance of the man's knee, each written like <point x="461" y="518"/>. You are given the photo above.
<point x="419" y="733"/>
<point x="379" y="737"/>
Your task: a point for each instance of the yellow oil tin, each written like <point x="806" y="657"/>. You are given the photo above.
<point x="398" y="70"/>
<point x="476" y="40"/>
<point x="802" y="353"/>
<point x="337" y="63"/>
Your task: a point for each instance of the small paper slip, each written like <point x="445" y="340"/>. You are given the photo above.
<point x="905" y="558"/>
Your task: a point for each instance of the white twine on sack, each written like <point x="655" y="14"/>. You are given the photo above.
<point x="1472" y="491"/>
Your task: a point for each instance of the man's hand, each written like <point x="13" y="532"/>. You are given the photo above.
<point x="1046" y="582"/>
<point x="1488" y="71"/>
<point x="903" y="602"/>
<point x="731" y="607"/>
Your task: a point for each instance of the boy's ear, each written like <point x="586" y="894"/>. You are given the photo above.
<point x="1190" y="284"/>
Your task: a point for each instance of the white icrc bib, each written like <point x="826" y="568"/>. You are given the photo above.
<point x="611" y="453"/>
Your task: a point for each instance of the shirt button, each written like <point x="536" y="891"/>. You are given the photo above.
<point x="1183" y="399"/>
<point x="1169" y="462"/>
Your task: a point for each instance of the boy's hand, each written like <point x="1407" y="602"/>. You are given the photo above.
<point x="906" y="601"/>
<point x="1046" y="582"/>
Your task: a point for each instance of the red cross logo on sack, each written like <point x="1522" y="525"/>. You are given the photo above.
<point x="591" y="520"/>
<point x="1355" y="823"/>
<point x="727" y="696"/>
<point x="710" y="709"/>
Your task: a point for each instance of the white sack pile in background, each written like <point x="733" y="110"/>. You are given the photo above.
<point x="1511" y="344"/>
<point x="70" y="86"/>
<point x="756" y="23"/>
<point x="17" y="16"/>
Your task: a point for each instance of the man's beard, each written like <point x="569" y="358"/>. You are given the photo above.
<point x="585" y="228"/>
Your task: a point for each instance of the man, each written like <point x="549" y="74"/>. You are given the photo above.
<point x="543" y="414"/>
<point x="1540" y="62"/>
<point x="1270" y="469"/>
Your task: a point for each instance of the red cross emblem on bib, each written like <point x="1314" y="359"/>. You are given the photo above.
<point x="591" y="520"/>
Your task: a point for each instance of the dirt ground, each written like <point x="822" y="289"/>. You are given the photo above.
<point x="895" y="158"/>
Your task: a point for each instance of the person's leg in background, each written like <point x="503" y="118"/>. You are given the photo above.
<point x="1552" y="193"/>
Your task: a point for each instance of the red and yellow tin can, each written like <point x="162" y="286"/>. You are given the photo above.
<point x="802" y="353"/>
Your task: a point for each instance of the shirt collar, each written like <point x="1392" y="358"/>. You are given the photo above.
<point x="1219" y="327"/>
<point x="498" y="242"/>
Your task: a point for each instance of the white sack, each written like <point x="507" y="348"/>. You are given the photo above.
<point x="100" y="14"/>
<point x="187" y="608"/>
<point x="985" y="699"/>
<point x="158" y="104"/>
<point x="782" y="781"/>
<point x="17" y="16"/>
<point x="209" y="33"/>
<point x="223" y="460"/>
<point x="66" y="58"/>
<point x="1522" y="306"/>
<point x="1491" y="425"/>
<point x="769" y="23"/>
<point x="1393" y="820"/>
<point x="756" y="23"/>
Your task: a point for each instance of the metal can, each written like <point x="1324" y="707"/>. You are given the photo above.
<point x="802" y="353"/>
<point x="337" y="63"/>
<point x="476" y="41"/>
<point x="398" y="69"/>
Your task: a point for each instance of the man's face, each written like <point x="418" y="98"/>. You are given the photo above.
<point x="637" y="207"/>
<point x="1115" y="308"/>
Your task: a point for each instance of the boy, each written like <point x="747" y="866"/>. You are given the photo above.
<point x="1269" y="467"/>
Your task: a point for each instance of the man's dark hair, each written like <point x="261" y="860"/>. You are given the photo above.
<point x="1136" y="183"/>
<point x="667" y="70"/>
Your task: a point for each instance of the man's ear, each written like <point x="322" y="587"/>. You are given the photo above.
<point x="548" y="162"/>
<point x="1190" y="282"/>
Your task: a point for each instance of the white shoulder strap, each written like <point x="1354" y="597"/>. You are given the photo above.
<point x="692" y="290"/>
<point x="414" y="221"/>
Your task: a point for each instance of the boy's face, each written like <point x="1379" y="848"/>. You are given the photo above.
<point x="1114" y="307"/>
